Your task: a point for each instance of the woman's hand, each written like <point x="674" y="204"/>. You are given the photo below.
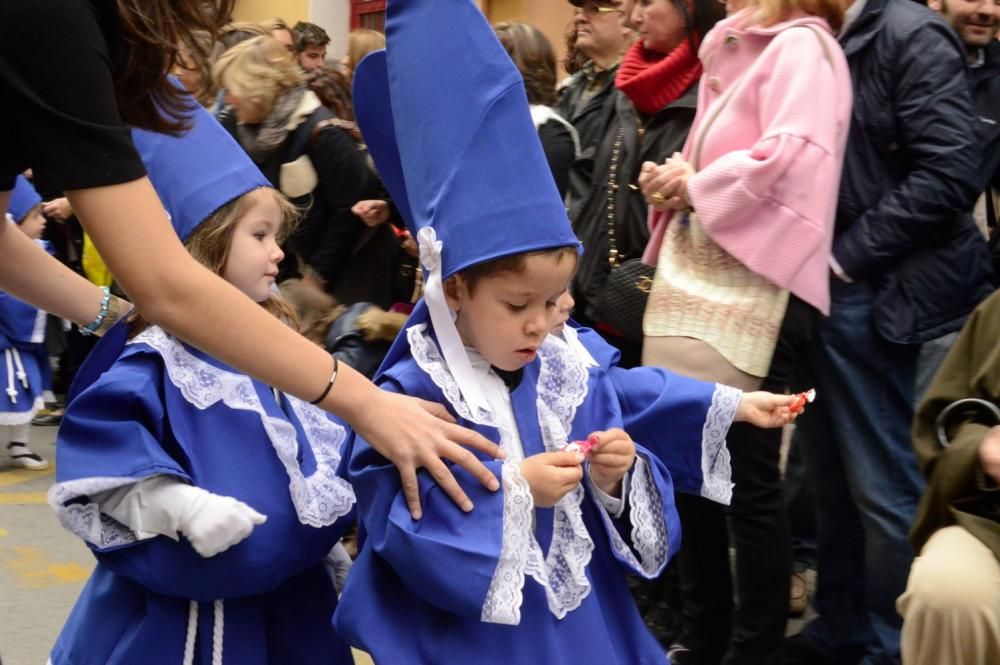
<point x="610" y="459"/>
<point x="551" y="475"/>
<point x="413" y="433"/>
<point x="372" y="212"/>
<point x="764" y="409"/>
<point x="665" y="185"/>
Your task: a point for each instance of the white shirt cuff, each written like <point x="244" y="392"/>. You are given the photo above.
<point x="615" y="507"/>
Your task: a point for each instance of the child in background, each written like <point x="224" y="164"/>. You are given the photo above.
<point x="535" y="572"/>
<point x="209" y="499"/>
<point x="24" y="362"/>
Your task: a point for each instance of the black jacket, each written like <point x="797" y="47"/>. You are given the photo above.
<point x="986" y="86"/>
<point x="911" y="173"/>
<point x="591" y="119"/>
<point x="654" y="140"/>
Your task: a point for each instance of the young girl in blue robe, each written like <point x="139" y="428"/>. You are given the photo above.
<point x="23" y="359"/>
<point x="533" y="573"/>
<point x="209" y="499"/>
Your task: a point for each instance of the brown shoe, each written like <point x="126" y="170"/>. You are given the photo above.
<point x="798" y="598"/>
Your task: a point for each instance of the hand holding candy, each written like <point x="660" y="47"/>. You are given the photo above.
<point x="611" y="456"/>
<point x="766" y="410"/>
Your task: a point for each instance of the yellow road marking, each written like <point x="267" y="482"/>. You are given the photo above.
<point x="19" y="476"/>
<point x="3" y="532"/>
<point x="23" y="498"/>
<point x="33" y="569"/>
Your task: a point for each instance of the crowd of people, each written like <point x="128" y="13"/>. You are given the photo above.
<point x="523" y="339"/>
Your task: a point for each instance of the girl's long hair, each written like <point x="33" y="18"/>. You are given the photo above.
<point x="152" y="36"/>
<point x="210" y="242"/>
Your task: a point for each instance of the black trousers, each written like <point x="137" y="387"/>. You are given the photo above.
<point x="740" y="620"/>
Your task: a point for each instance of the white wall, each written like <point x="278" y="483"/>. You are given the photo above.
<point x="334" y="16"/>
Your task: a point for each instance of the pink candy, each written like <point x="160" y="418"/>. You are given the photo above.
<point x="583" y="447"/>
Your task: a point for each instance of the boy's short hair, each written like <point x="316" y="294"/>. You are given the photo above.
<point x="513" y="263"/>
<point x="309" y="34"/>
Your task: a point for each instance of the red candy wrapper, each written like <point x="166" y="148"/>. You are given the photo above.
<point x="802" y="399"/>
<point x="581" y="446"/>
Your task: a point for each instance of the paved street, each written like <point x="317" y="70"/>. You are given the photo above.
<point x="42" y="567"/>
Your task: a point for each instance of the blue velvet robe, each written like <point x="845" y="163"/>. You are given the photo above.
<point x="683" y="421"/>
<point x="208" y="425"/>
<point x="417" y="591"/>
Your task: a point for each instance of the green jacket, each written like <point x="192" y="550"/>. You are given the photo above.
<point x="958" y="492"/>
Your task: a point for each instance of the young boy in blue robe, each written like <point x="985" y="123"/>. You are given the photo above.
<point x="23" y="359"/>
<point x="535" y="572"/>
<point x="209" y="499"/>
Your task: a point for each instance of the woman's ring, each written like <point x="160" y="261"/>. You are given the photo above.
<point x="658" y="198"/>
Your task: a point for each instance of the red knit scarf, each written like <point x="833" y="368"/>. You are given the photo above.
<point x="652" y="80"/>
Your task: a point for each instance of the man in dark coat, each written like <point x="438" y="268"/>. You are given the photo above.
<point x="908" y="265"/>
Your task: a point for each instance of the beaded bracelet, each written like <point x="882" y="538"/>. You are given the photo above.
<point x="92" y="327"/>
<point x="333" y="378"/>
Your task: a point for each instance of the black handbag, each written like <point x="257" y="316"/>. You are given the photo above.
<point x="622" y="302"/>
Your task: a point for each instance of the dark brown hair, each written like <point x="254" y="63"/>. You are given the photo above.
<point x="532" y="53"/>
<point x="333" y="89"/>
<point x="153" y="32"/>
<point x="307" y="34"/>
<point x="514" y="264"/>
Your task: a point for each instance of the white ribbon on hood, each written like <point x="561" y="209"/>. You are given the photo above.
<point x="444" y="326"/>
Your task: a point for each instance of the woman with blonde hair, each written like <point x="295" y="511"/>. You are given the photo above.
<point x="302" y="148"/>
<point x="742" y="229"/>
<point x="360" y="43"/>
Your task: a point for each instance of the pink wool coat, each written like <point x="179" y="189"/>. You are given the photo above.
<point x="769" y="164"/>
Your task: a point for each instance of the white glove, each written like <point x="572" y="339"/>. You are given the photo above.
<point x="163" y="505"/>
<point x="214" y="523"/>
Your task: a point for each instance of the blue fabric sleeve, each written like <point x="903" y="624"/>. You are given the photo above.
<point x="447" y="557"/>
<point x="666" y="412"/>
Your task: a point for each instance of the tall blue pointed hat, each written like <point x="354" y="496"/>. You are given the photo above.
<point x="198" y="172"/>
<point x="22" y="199"/>
<point x="447" y="122"/>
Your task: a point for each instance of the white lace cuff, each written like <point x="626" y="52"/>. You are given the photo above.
<point x="85" y="519"/>
<point x="649" y="527"/>
<point x="614" y="506"/>
<point x="716" y="472"/>
<point x="503" y="599"/>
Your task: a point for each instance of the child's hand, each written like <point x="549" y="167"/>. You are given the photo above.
<point x="610" y="459"/>
<point x="214" y="523"/>
<point x="552" y="475"/>
<point x="765" y="409"/>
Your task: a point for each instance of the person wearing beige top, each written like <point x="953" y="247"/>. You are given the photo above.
<point x="741" y="230"/>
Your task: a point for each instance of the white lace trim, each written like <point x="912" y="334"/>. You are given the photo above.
<point x="85" y="520"/>
<point x="503" y="599"/>
<point x="562" y="388"/>
<point x="21" y="417"/>
<point x="321" y="498"/>
<point x="716" y="472"/>
<point x="649" y="526"/>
